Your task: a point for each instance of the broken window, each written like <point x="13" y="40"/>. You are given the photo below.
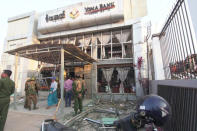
<point x="121" y="80"/>
<point x="110" y="44"/>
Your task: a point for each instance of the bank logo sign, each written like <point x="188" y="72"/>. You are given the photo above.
<point x="55" y="17"/>
<point x="99" y="8"/>
<point x="81" y="15"/>
<point x="74" y="13"/>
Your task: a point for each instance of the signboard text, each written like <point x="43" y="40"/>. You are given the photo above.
<point x="55" y="17"/>
<point x="99" y="8"/>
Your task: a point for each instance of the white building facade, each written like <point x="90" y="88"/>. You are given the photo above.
<point x="110" y="31"/>
<point x="21" y="32"/>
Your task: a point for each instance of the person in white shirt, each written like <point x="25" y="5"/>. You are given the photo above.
<point x="52" y="97"/>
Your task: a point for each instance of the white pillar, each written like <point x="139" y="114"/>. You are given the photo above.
<point x="94" y="79"/>
<point x="62" y="80"/>
<point x="139" y="49"/>
<point x="16" y="79"/>
<point x="157" y="59"/>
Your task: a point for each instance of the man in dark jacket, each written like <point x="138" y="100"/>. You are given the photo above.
<point x="7" y="88"/>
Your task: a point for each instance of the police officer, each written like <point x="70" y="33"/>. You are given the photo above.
<point x="31" y="93"/>
<point x="7" y="88"/>
<point x="26" y="93"/>
<point x="78" y="89"/>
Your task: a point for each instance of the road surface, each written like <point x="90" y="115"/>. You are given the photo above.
<point x="18" y="121"/>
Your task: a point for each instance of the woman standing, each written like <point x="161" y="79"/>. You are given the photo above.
<point x="52" y="98"/>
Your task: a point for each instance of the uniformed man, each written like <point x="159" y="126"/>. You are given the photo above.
<point x="37" y="86"/>
<point x="7" y="88"/>
<point x="30" y="89"/>
<point x="26" y="93"/>
<point x="78" y="89"/>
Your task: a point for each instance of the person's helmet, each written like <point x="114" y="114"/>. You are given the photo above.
<point x="153" y="109"/>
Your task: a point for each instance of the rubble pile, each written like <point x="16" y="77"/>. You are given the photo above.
<point x="99" y="115"/>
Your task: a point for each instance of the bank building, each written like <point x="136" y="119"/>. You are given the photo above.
<point x="103" y="41"/>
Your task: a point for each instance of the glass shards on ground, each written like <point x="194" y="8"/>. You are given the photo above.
<point x="99" y="115"/>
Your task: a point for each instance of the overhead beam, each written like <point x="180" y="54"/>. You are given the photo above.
<point x="45" y="53"/>
<point x="77" y="57"/>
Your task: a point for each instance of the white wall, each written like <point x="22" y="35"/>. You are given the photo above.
<point x="12" y="44"/>
<point x="157" y="59"/>
<point x="18" y="27"/>
<point x="192" y="9"/>
<point x="1" y="69"/>
<point x="20" y="32"/>
<point x="134" y="9"/>
<point x="139" y="47"/>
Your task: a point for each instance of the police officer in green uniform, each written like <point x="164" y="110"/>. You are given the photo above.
<point x="26" y="93"/>
<point x="31" y="93"/>
<point x="7" y="88"/>
<point x="78" y="89"/>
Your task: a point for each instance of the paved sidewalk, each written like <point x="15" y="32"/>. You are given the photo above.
<point x="18" y="121"/>
<point x="24" y="120"/>
<point x="42" y="104"/>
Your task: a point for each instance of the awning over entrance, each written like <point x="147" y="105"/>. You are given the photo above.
<point x="51" y="53"/>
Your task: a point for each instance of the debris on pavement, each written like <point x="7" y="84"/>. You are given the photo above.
<point x="100" y="115"/>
